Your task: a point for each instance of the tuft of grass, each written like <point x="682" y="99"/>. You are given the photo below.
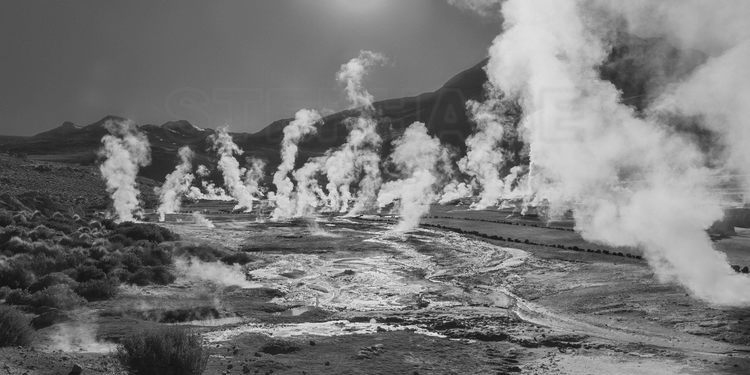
<point x="167" y="350"/>
<point x="15" y="329"/>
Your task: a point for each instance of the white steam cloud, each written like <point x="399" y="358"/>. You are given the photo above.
<point x="176" y="185"/>
<point x="125" y="150"/>
<point x="230" y="168"/>
<point x="358" y="159"/>
<point x="302" y="125"/>
<point x="631" y="180"/>
<point x="418" y="157"/>
<point x="483" y="159"/>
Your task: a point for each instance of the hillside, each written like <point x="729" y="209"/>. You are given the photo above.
<point x="443" y="110"/>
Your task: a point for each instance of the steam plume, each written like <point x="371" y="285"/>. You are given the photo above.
<point x="254" y="175"/>
<point x="302" y="125"/>
<point x="231" y="170"/>
<point x="631" y="181"/>
<point x="358" y="158"/>
<point x="309" y="194"/>
<point x="176" y="185"/>
<point x="483" y="158"/>
<point x="125" y="150"/>
<point x="418" y="156"/>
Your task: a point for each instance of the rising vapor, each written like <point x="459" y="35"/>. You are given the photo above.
<point x="125" y="150"/>
<point x="358" y="159"/>
<point x="302" y="125"/>
<point x="232" y="173"/>
<point x="631" y="179"/>
<point x="420" y="159"/>
<point x="176" y="185"/>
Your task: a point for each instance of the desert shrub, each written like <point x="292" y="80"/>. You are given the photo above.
<point x="17" y="245"/>
<point x="120" y="274"/>
<point x="97" y="252"/>
<point x="18" y="297"/>
<point x="154" y="256"/>
<point x="55" y="278"/>
<point x="152" y="275"/>
<point x="131" y="262"/>
<point x="97" y="290"/>
<point x="147" y="232"/>
<point x="203" y="252"/>
<point x="4" y="291"/>
<point x="106" y="223"/>
<point x="15" y="277"/>
<point x="163" y="351"/>
<point x="12" y="231"/>
<point x="86" y="272"/>
<point x="120" y="239"/>
<point x="15" y="329"/>
<point x="74" y="241"/>
<point x="240" y="258"/>
<point x="6" y="218"/>
<point x="57" y="296"/>
<point x="42" y="232"/>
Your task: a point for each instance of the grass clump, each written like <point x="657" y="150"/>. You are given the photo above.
<point x="15" y="329"/>
<point x="163" y="351"/>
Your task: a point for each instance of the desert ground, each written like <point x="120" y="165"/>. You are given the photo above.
<point x="469" y="292"/>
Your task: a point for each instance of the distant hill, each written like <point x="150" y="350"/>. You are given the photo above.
<point x="443" y="110"/>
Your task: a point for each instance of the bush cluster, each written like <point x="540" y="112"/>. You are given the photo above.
<point x="15" y="328"/>
<point x="163" y="351"/>
<point x="59" y="260"/>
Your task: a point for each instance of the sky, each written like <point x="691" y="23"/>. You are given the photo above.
<point x="239" y="63"/>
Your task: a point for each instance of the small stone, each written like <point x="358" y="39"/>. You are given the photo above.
<point x="77" y="370"/>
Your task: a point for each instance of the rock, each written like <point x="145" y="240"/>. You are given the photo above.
<point x="77" y="370"/>
<point x="370" y="351"/>
<point x="745" y="270"/>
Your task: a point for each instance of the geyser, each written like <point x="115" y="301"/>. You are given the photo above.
<point x="125" y="150"/>
<point x="631" y="179"/>
<point x="302" y="125"/>
<point x="176" y="185"/>
<point x="419" y="158"/>
<point x="232" y="173"/>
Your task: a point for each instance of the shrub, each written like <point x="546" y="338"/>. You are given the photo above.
<point x="97" y="290"/>
<point x="163" y="351"/>
<point x="203" y="252"/>
<point x="41" y="232"/>
<point x="17" y="245"/>
<point x="18" y="297"/>
<point x="14" y="327"/>
<point x="15" y="276"/>
<point x="4" y="291"/>
<point x="152" y="275"/>
<point x="86" y="272"/>
<point x="55" y="278"/>
<point x="57" y="296"/>
<point x="6" y="218"/>
<point x="148" y="232"/>
<point x="240" y="258"/>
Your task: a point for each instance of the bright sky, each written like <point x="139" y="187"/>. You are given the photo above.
<point x="238" y="62"/>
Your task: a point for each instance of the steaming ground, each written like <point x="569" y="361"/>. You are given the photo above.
<point x="347" y="295"/>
